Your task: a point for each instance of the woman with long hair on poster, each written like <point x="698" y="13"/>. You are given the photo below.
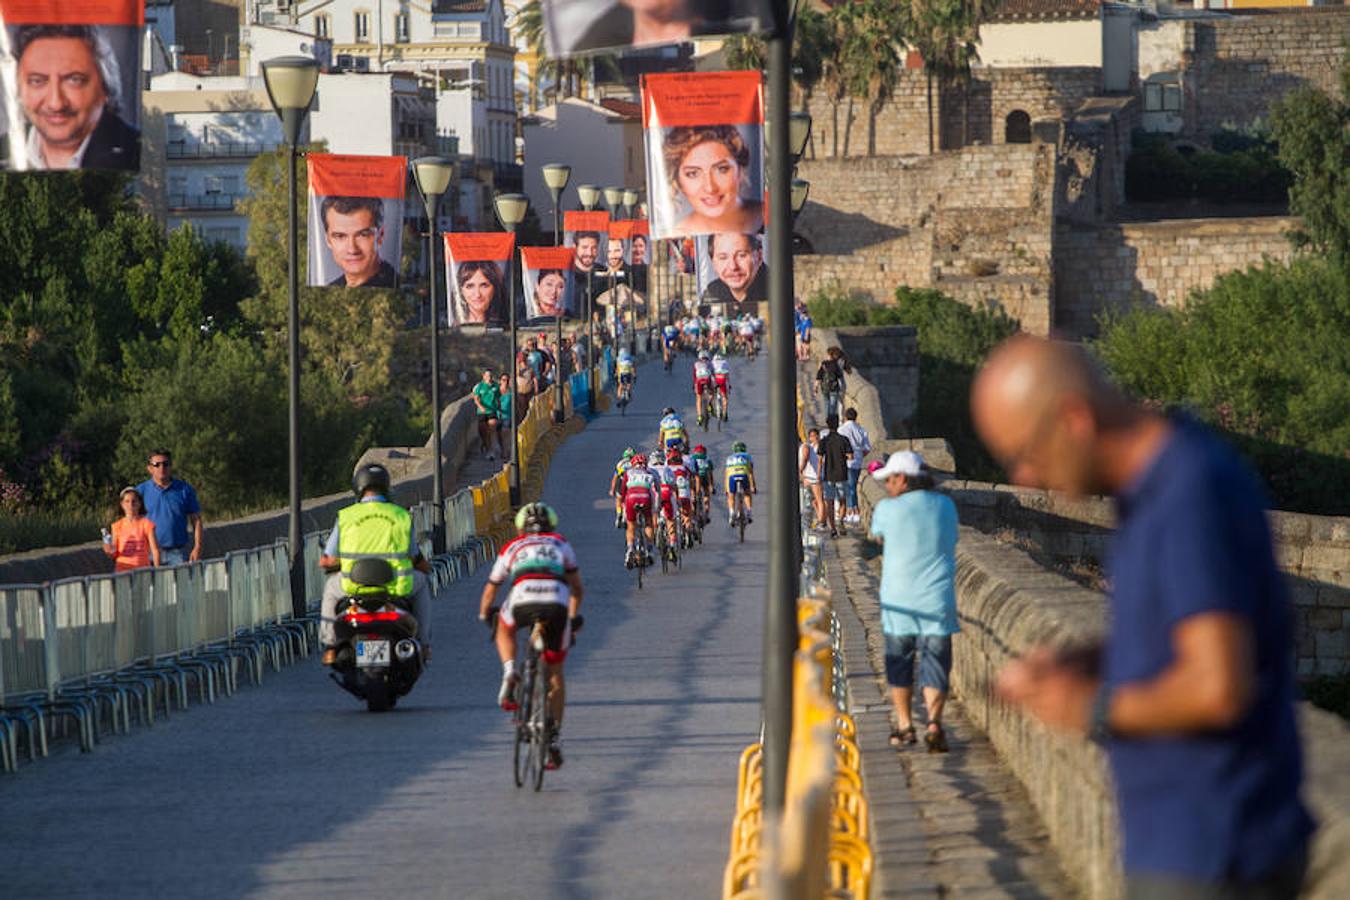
<point x="708" y="169"/>
<point x="480" y="293"/>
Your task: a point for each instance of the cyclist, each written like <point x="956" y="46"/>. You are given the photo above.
<point x="672" y="430"/>
<point x="703" y="472"/>
<point x="616" y="484"/>
<point x="702" y="380"/>
<point x="685" y="487"/>
<point x="627" y="374"/>
<point x="665" y="480"/>
<point x="639" y="495"/>
<point x="670" y="336"/>
<point x="739" y="470"/>
<point x="721" y="370"/>
<point x="728" y="330"/>
<point x="544" y="586"/>
<point x="691" y="331"/>
<point x="747" y="333"/>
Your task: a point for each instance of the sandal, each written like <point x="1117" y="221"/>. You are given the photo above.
<point x="901" y="737"/>
<point x="936" y="739"/>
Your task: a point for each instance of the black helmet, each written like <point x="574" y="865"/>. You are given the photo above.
<point x="371" y="477"/>
<point x="536" y="517"/>
<point x="668" y="411"/>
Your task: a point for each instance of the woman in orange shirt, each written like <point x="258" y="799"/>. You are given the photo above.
<point x="133" y="544"/>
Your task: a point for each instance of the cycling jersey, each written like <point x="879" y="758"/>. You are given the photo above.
<point x="691" y="327"/>
<point x="671" y="334"/>
<point x="639" y="492"/>
<point x="702" y="468"/>
<point x="624" y="367"/>
<point x="747" y="329"/>
<point x="738" y="467"/>
<point x="682" y="479"/>
<point x="720" y="366"/>
<point x="702" y="370"/>
<point x="536" y="567"/>
<point x="672" y="430"/>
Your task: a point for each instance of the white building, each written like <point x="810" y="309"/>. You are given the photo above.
<point x="601" y="142"/>
<point x="375" y="114"/>
<point x="259" y="43"/>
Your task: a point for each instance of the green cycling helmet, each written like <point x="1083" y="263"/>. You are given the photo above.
<point x="536" y="517"/>
<point x="628" y="452"/>
<point x="738" y="447"/>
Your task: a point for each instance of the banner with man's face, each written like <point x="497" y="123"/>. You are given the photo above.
<point x="475" y="275"/>
<point x="587" y="233"/>
<point x="616" y="250"/>
<point x="70" y="71"/>
<point x="704" y="139"/>
<point x="548" y="283"/>
<point x="732" y="268"/>
<point x="585" y="26"/>
<point x="355" y="219"/>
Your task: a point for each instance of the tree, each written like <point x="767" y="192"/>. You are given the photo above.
<point x="870" y="50"/>
<point x="1313" y="131"/>
<point x="528" y="25"/>
<point x="947" y="33"/>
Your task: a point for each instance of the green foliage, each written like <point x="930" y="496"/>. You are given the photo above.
<point x="1313" y="130"/>
<point x="1240" y="169"/>
<point x="1262" y="355"/>
<point x="954" y="340"/>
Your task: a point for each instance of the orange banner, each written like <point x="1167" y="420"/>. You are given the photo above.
<point x="336" y="175"/>
<point x="581" y="220"/>
<point x="476" y="246"/>
<point x="621" y="229"/>
<point x="702" y="98"/>
<point x="539" y="258"/>
<point x="640" y="226"/>
<point x="72" y="12"/>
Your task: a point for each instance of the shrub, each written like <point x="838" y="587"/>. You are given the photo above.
<point x="1262" y="355"/>
<point x="1242" y="168"/>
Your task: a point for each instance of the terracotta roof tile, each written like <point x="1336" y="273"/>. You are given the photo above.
<point x="1020" y="10"/>
<point x="626" y="108"/>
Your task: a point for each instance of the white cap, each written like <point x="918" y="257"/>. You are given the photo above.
<point x="902" y="462"/>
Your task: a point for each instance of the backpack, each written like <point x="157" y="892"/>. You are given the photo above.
<point x="833" y="382"/>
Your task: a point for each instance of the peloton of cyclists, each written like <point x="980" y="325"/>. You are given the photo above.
<point x="739" y="474"/>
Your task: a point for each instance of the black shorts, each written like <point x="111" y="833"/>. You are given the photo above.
<point x="556" y="624"/>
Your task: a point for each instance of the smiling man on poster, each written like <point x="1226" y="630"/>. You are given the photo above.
<point x="353" y="228"/>
<point x="355" y="219"/>
<point x="742" y="277"/>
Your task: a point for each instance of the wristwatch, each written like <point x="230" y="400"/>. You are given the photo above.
<point x="1099" y="715"/>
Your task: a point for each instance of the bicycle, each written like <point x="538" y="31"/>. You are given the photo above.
<point x="534" y="731"/>
<point x="703" y="416"/>
<point x="670" y="360"/>
<point x="738" y="500"/>
<point x="640" y="546"/>
<point x="624" y="397"/>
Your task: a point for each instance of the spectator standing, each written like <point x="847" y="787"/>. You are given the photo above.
<point x="485" y="399"/>
<point x="1192" y="693"/>
<point x="802" y="320"/>
<point x="132" y="544"/>
<point x="835" y="452"/>
<point x="862" y="445"/>
<point x="830" y="380"/>
<point x="172" y="505"/>
<point x="808" y="468"/>
<point x="917" y="527"/>
<point x="503" y="411"/>
<point x="527" y="384"/>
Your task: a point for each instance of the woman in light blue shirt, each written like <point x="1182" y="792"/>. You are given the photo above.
<point x="917" y="527"/>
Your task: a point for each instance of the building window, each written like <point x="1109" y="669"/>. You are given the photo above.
<point x="362" y="27"/>
<point x="1017" y="128"/>
<point x="1162" y="96"/>
<point x="401" y="28"/>
<point x="323" y="26"/>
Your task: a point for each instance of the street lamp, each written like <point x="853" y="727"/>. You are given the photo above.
<point x="614" y="200"/>
<point x="556" y="176"/>
<point x="432" y="174"/>
<point x="510" y="209"/>
<point x="291" y="81"/>
<point x="801" y="189"/>
<point x="630" y="201"/>
<point x="589" y="195"/>
<point x="799" y="132"/>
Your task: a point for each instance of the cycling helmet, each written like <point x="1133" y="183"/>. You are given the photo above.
<point x="668" y="411"/>
<point x="659" y="457"/>
<point x="370" y="477"/>
<point x="703" y="354"/>
<point x="536" y="517"/>
<point x="699" y="448"/>
<point x="628" y="452"/>
<point x="625" y="355"/>
<point x="738" y="447"/>
<point x="718" y="355"/>
<point x="639" y="461"/>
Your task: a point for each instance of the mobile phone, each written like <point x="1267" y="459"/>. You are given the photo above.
<point x="107" y="535"/>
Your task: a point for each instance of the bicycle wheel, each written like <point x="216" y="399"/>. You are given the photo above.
<point x="539" y="726"/>
<point x="524" y="692"/>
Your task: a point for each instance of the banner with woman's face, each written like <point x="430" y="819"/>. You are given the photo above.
<point x="704" y="138"/>
<point x="475" y="275"/>
<point x="584" y="26"/>
<point x="639" y="244"/>
<point x="548" y="283"/>
<point x="70" y="71"/>
<point x="587" y="233"/>
<point x="355" y="219"/>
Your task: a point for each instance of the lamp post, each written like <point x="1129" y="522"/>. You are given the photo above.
<point x="432" y="174"/>
<point x="589" y="195"/>
<point x="510" y="209"/>
<point x="630" y="200"/>
<point x="556" y="176"/>
<point x="801" y="189"/>
<point x="614" y="200"/>
<point x="291" y="82"/>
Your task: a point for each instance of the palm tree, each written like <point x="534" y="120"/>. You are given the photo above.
<point x="947" y="33"/>
<point x="528" y="25"/>
<point x="871" y="54"/>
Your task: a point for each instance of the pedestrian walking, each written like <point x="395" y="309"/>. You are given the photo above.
<point x="830" y="381"/>
<point x="131" y="542"/>
<point x="808" y="468"/>
<point x="862" y="445"/>
<point x="504" y="413"/>
<point x="172" y="505"/>
<point x="917" y="527"/>
<point x="485" y="400"/>
<point x="1192" y="691"/>
<point x="835" y="452"/>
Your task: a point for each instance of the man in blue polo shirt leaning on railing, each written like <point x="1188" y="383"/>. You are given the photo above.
<point x="172" y="505"/>
<point x="1192" y="692"/>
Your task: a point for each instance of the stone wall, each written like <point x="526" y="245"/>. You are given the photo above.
<point x="1113" y="266"/>
<point x="1239" y="66"/>
<point x="886" y="361"/>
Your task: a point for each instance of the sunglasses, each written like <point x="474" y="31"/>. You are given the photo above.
<point x="161" y="465"/>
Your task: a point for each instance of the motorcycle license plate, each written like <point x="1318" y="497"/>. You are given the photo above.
<point x="372" y="653"/>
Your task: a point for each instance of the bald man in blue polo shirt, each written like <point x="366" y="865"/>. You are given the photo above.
<point x="1192" y="693"/>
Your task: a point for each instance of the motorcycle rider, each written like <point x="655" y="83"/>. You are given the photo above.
<point x="374" y="527"/>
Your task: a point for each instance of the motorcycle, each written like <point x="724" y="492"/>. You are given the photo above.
<point x="379" y="658"/>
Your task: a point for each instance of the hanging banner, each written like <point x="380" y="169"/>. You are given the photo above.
<point x="584" y="231"/>
<point x="680" y="253"/>
<point x="704" y="138"/>
<point x="355" y="219"/>
<point x="639" y="252"/>
<point x="475" y="275"/>
<point x="92" y="50"/>
<point x="583" y="26"/>
<point x="620" y="233"/>
<point x="733" y="270"/>
<point x="548" y="284"/>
